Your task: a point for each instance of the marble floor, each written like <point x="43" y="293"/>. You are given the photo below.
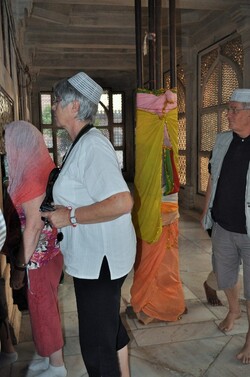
<point x="191" y="347"/>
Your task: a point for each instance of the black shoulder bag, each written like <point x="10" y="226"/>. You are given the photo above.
<point x="48" y="200"/>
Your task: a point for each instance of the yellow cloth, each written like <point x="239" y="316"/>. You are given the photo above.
<point x="157" y="291"/>
<point x="148" y="171"/>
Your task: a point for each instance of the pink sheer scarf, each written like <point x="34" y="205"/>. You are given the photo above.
<point x="29" y="162"/>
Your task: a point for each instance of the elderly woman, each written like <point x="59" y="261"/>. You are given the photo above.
<point x="29" y="165"/>
<point x="93" y="206"/>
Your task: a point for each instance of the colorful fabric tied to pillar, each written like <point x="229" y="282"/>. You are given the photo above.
<point x="157" y="292"/>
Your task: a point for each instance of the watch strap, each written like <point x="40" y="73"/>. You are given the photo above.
<point x="72" y="217"/>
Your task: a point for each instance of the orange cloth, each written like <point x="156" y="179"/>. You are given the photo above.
<point x="169" y="212"/>
<point x="157" y="288"/>
<point x="157" y="291"/>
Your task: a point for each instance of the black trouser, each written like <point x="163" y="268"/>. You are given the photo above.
<point x="101" y="331"/>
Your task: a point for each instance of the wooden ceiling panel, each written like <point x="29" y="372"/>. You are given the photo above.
<point x="99" y="35"/>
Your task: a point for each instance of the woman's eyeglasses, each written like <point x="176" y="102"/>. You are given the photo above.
<point x="59" y="237"/>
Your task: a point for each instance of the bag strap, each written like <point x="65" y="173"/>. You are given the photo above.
<point x="83" y="131"/>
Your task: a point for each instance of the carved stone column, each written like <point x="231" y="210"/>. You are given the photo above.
<point x="241" y="16"/>
<point x="186" y="196"/>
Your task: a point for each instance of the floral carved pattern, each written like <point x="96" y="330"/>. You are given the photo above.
<point x="6" y="115"/>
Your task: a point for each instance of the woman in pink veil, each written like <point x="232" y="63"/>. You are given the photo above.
<point x="29" y="165"/>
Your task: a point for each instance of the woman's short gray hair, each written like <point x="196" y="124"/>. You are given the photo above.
<point x="64" y="91"/>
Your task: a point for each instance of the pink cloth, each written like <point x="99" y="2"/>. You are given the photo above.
<point x="29" y="162"/>
<point x="43" y="307"/>
<point x="160" y="105"/>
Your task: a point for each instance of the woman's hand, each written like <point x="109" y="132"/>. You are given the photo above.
<point x="58" y="218"/>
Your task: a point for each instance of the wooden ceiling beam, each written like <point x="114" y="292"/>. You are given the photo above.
<point x="180" y="4"/>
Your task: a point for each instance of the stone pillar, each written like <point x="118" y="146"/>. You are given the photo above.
<point x="241" y="16"/>
<point x="186" y="196"/>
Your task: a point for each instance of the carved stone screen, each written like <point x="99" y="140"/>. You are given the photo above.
<point x="6" y="115"/>
<point x="220" y="72"/>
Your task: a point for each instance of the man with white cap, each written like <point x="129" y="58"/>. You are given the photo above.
<point x="227" y="210"/>
<point x="93" y="210"/>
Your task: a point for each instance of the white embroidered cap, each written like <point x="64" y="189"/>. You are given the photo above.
<point x="240" y="95"/>
<point x="86" y="86"/>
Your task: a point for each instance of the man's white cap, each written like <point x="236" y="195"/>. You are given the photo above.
<point x="240" y="95"/>
<point x="86" y="86"/>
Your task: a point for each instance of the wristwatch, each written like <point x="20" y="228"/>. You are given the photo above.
<point x="72" y="217"/>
